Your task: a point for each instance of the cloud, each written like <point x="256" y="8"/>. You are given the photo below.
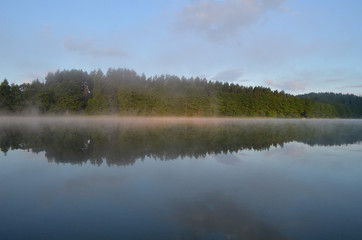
<point x="352" y="86"/>
<point x="47" y="30"/>
<point x="293" y="149"/>
<point x="342" y="80"/>
<point x="230" y="75"/>
<point x="220" y="19"/>
<point x="217" y="214"/>
<point x="332" y="80"/>
<point x="87" y="47"/>
<point x="86" y="184"/>
<point x="231" y="160"/>
<point x="295" y="85"/>
<point x="29" y="77"/>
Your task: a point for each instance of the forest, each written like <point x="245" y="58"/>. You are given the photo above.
<point x="126" y="93"/>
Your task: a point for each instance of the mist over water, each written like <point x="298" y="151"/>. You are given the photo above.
<point x="180" y="178"/>
<point x="122" y="141"/>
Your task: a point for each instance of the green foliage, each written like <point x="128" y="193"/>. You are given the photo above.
<point x="5" y="98"/>
<point x="97" y="105"/>
<point x="344" y="105"/>
<point x="71" y="90"/>
<point x="123" y="91"/>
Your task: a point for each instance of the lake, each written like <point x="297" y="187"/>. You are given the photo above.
<point x="180" y="178"/>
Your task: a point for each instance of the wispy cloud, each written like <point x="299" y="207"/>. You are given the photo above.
<point x="230" y="75"/>
<point x="29" y="77"/>
<point x="47" y="30"/>
<point x="87" y="46"/>
<point x="295" y="85"/>
<point x="231" y="160"/>
<point x="332" y="80"/>
<point x="220" y="19"/>
<point x="352" y="86"/>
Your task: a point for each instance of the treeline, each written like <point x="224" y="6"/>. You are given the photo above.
<point x="124" y="92"/>
<point x="346" y="105"/>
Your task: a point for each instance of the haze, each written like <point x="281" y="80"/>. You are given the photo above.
<point x="158" y="121"/>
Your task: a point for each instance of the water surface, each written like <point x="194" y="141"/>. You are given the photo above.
<point x="150" y="178"/>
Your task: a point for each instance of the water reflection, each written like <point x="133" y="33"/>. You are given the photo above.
<point x="220" y="216"/>
<point x="123" y="141"/>
<point x="297" y="190"/>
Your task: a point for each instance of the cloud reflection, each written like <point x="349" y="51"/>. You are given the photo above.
<point x="222" y="217"/>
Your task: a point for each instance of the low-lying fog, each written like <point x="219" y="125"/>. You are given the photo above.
<point x="150" y="121"/>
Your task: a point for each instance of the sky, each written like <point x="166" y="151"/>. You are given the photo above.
<point x="298" y="46"/>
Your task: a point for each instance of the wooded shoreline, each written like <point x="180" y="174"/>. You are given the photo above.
<point x="123" y="92"/>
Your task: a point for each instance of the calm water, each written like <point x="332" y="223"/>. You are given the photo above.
<point x="180" y="179"/>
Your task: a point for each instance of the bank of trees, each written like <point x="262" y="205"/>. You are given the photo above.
<point x="124" y="92"/>
<point x="345" y="105"/>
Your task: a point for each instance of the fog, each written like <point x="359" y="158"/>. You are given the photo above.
<point x="123" y="140"/>
<point x="105" y="121"/>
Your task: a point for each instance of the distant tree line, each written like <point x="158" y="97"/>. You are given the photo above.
<point x="124" y="92"/>
<point x="345" y="105"/>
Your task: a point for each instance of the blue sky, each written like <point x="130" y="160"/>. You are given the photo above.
<point x="294" y="45"/>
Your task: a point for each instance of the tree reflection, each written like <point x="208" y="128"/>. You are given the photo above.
<point x="221" y="216"/>
<point x="121" y="144"/>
